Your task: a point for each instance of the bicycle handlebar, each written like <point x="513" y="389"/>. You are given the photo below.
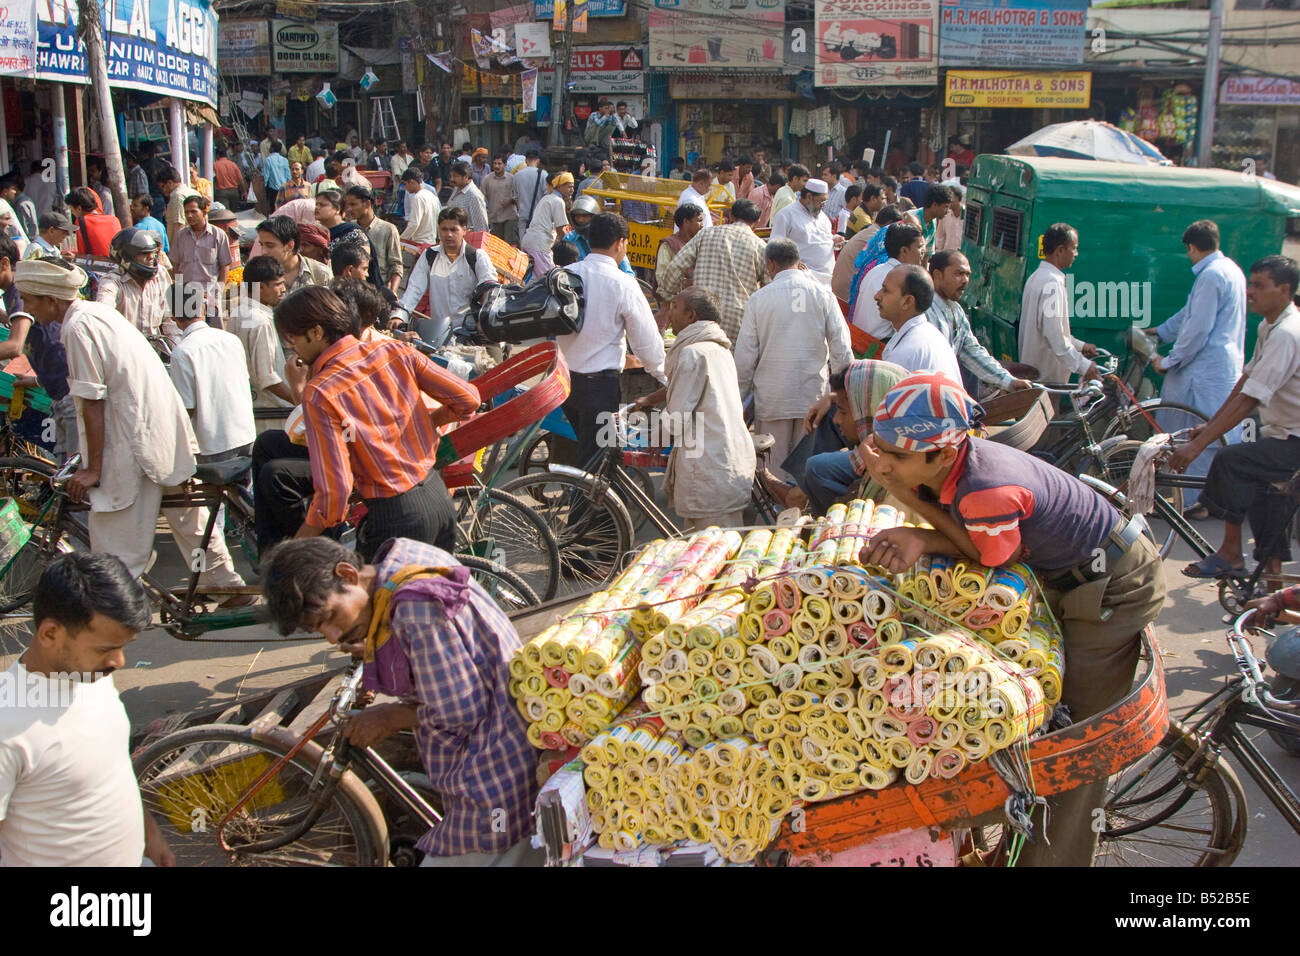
<point x="1257" y="689"/>
<point x="346" y="695"/>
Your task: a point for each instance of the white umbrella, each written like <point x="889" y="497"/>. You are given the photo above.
<point x="1089" y="139"/>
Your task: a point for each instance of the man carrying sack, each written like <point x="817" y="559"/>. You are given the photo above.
<point x="997" y="505"/>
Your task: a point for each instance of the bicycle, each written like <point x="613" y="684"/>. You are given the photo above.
<point x="589" y="510"/>
<point x="262" y="796"/>
<point x="1183" y="797"/>
<point x="183" y="611"/>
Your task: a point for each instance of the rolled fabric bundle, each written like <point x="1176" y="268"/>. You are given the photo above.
<point x="762" y="600"/>
<point x="676" y="662"/>
<point x="835" y="640"/>
<point x="595" y="777"/>
<point x="797" y="558"/>
<point x="970" y="580"/>
<point x="788" y="594"/>
<point x="1014" y="648"/>
<point x="814" y="789"/>
<point x="965" y="656"/>
<point x="728" y="725"/>
<point x="688" y="589"/>
<point x="572" y="733"/>
<point x="844" y="783"/>
<point x="811" y="657"/>
<point x="883" y="518"/>
<point x="983" y="616"/>
<point x="923" y="589"/>
<point x="835" y="516"/>
<point x="918" y="768"/>
<point x="890" y="632"/>
<point x="776" y="622"/>
<point x="876" y="778"/>
<point x="941" y="574"/>
<point x="958" y="608"/>
<point x="764" y="660"/>
<point x="804" y="629"/>
<point x="863" y="635"/>
<point x="794" y="701"/>
<point x="818" y="684"/>
<point x="948" y="735"/>
<point x="534" y="708"/>
<point x="1015" y="622"/>
<point x="877" y="606"/>
<point x="552" y="740"/>
<point x="845" y="611"/>
<point x="556" y="698"/>
<point x="521" y="668"/>
<point x="580" y="685"/>
<point x="910" y="594"/>
<point x="622" y="670"/>
<point x="592" y="725"/>
<point x="887" y="728"/>
<point x="814" y="581"/>
<point x="841" y="700"/>
<point x="849" y="583"/>
<point x="726" y="673"/>
<point x="784" y="647"/>
<point x="932" y="651"/>
<point x="975" y="745"/>
<point x="1050" y="681"/>
<point x="732" y="702"/>
<point x="611" y="643"/>
<point x="899" y="750"/>
<point x="650" y="674"/>
<point x="730" y="649"/>
<point x="999" y="733"/>
<point x="897" y="657"/>
<point x="656" y="696"/>
<point x="948" y="763"/>
<point x="813" y="750"/>
<point x="575" y="710"/>
<point x="972" y="716"/>
<point x="698" y="661"/>
<point x="751" y="628"/>
<point x="1008" y="588"/>
<point x="847" y="548"/>
<point x="870" y="671"/>
<point x="817" y="608"/>
<point x="552" y="721"/>
<point x="921" y="731"/>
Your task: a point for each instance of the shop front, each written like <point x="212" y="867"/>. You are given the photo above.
<point x="1259" y="119"/>
<point x="729" y="115"/>
<point x="615" y="73"/>
<point x="989" y="110"/>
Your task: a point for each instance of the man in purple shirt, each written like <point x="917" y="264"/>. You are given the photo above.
<point x="201" y="258"/>
<point x="433" y="638"/>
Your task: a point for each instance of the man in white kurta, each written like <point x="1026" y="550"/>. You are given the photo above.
<point x="789" y="330"/>
<point x="711" y="469"/>
<point x="134" y="435"/>
<point x="805" y="223"/>
<point x="1045" y="339"/>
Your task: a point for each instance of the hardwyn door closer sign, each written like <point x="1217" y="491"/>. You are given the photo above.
<point x="305" y="47"/>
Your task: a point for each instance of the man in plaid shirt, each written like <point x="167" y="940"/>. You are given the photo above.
<point x="443" y="647"/>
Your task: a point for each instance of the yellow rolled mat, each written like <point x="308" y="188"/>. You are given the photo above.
<point x="877" y="606"/>
<point x="918" y="768"/>
<point x="890" y="631"/>
<point x="804" y="629"/>
<point x="875" y="778"/>
<point x="975" y="745"/>
<point x="899" y="750"/>
<point x="872" y="703"/>
<point x="784" y="648"/>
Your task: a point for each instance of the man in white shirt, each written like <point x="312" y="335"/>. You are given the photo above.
<point x="696" y="194"/>
<point x="550" y="221"/>
<point x="626" y="121"/>
<point x="1045" y="339"/>
<point x="805" y="223"/>
<point x="253" y="322"/>
<point x="903" y="245"/>
<point x="465" y="195"/>
<point x="210" y="372"/>
<point x="528" y="185"/>
<point x="725" y="180"/>
<point x="68" y="792"/>
<point x="401" y="159"/>
<point x="916" y="345"/>
<point x="798" y="178"/>
<point x="617" y="316"/>
<point x="1238" y="484"/>
<point x="422" y="208"/>
<point x="449" y="273"/>
<point x="139" y="290"/>
<point x="136" y="441"/>
<point x="789" y="330"/>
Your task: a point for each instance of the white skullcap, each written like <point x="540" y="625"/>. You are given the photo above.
<point x="34" y="277"/>
<point x="816" y="186"/>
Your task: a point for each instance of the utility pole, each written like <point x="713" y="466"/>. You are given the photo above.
<point x="1210" y="88"/>
<point x="92" y="34"/>
<point x="561" y="74"/>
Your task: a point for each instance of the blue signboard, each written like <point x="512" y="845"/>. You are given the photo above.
<point x="1012" y="32"/>
<point x="168" y="47"/>
<point x="545" y="9"/>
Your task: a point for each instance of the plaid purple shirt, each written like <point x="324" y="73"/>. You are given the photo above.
<point x="473" y="742"/>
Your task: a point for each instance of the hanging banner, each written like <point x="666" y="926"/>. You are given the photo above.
<point x="1259" y="91"/>
<point x="1017" y="89"/>
<point x="528" y="80"/>
<point x="167" y="47"/>
<point x="717" y="35"/>
<point x="577" y="19"/>
<point x="532" y="40"/>
<point x="545" y="9"/>
<point x="1011" y="32"/>
<point x="244" y="47"/>
<point x="877" y="43"/>
<point x="18" y="40"/>
<point x="305" y="47"/>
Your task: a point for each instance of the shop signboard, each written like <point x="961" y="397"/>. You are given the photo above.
<point x="244" y="48"/>
<point x="545" y="9"/>
<point x="601" y="69"/>
<point x="1011" y="32"/>
<point x="166" y="47"/>
<point x="18" y="40"/>
<point x="1017" y="89"/>
<point x="876" y="43"/>
<point x="305" y="47"/>
<point x="717" y="35"/>
<point x="1259" y="91"/>
<point x="706" y="86"/>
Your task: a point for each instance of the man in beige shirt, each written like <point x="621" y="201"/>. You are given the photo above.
<point x="384" y="241"/>
<point x="169" y="181"/>
<point x="278" y="237"/>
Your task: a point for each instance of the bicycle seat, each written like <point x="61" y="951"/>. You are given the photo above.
<point x="762" y="442"/>
<point x="223" y="472"/>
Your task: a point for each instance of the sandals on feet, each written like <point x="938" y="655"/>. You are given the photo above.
<point x="1212" y="566"/>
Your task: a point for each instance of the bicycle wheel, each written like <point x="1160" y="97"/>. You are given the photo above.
<point x="27" y="481"/>
<point x="509" y="590"/>
<point x="494" y="524"/>
<point x="590" y="523"/>
<point x="47" y="540"/>
<point x="191" y="779"/>
<point x="545" y="449"/>
<point x="1115" y="471"/>
<point x="1168" y="417"/>
<point x="1163" y="812"/>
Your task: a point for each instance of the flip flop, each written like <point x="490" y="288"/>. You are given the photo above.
<point x="1212" y="566"/>
<point x="1197" y="512"/>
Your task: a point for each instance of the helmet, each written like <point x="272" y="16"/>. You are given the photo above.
<point x="585" y="204"/>
<point x="128" y="244"/>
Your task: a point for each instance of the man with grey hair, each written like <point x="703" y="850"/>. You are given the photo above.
<point x="728" y="261"/>
<point x="789" y="330"/>
<point x="806" y="223"/>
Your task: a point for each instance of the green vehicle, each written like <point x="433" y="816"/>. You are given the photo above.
<point x="1132" y="267"/>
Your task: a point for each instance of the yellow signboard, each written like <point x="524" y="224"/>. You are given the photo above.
<point x="1018" y="89"/>
<point x="643" y="243"/>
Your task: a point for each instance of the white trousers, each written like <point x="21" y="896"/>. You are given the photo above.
<point x="129" y="534"/>
<point x="787" y="432"/>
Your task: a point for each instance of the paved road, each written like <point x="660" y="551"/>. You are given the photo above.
<point x="166" y="676"/>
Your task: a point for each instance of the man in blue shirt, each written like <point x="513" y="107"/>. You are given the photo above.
<point x="276" y="168"/>
<point x="1209" y="336"/>
<point x="141" y="208"/>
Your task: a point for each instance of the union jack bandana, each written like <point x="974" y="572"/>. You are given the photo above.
<point x="926" y="411"/>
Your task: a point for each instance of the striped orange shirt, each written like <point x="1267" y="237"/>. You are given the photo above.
<point x="367" y="425"/>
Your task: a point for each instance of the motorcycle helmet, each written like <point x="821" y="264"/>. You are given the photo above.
<point x="128" y="244"/>
<point x="585" y="204"/>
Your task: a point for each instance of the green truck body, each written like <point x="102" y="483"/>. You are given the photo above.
<point x="1132" y="267"/>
